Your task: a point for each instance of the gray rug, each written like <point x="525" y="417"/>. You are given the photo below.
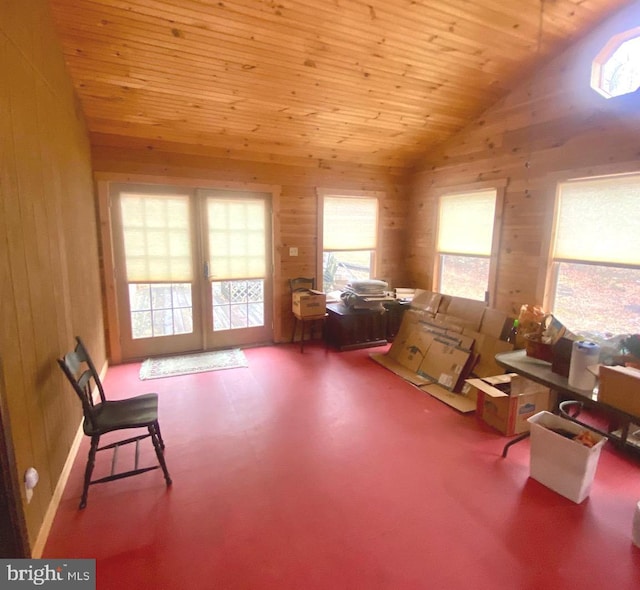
<point x="185" y="364"/>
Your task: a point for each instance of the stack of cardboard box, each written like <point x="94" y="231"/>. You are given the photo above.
<point x="446" y="346"/>
<point x="442" y="341"/>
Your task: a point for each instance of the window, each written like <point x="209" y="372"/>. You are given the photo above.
<point x="465" y="243"/>
<point x="349" y="237"/>
<point x="594" y="281"/>
<point x="616" y="69"/>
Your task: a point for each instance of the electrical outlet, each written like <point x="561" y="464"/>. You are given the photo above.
<point x="293" y="251"/>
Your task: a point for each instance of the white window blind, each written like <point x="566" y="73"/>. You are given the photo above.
<point x="599" y="220"/>
<point x="350" y="223"/>
<point x="237" y="228"/>
<point x="157" y="239"/>
<point x="465" y="223"/>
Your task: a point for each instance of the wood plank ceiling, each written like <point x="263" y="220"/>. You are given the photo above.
<point x="305" y="81"/>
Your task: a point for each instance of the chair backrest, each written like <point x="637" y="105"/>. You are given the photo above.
<point x="302" y="284"/>
<point x="81" y="373"/>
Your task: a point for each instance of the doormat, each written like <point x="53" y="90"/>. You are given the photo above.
<point x="186" y="364"/>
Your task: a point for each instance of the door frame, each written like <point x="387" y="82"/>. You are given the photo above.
<point x="14" y="537"/>
<point x="111" y="311"/>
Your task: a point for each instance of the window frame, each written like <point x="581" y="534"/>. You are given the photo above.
<point x="604" y="55"/>
<point x="499" y="186"/>
<point x="347" y="194"/>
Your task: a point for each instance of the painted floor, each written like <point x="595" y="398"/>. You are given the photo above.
<point x="323" y="470"/>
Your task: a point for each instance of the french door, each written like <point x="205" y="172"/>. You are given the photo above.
<point x="192" y="268"/>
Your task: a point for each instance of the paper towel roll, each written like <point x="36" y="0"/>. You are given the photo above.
<point x="583" y="355"/>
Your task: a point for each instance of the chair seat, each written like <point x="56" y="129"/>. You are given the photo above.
<point x="135" y="412"/>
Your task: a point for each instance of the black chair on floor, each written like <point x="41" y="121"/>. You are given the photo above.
<point x="104" y="416"/>
<point x="304" y="284"/>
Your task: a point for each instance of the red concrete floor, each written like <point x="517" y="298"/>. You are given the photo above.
<point x="325" y="471"/>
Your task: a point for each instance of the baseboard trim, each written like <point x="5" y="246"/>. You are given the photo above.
<point x="47" y="523"/>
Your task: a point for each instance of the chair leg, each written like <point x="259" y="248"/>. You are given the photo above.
<point x="295" y="329"/>
<point x="153" y="431"/>
<point x="91" y="461"/>
<point x="302" y="336"/>
<point x="160" y="439"/>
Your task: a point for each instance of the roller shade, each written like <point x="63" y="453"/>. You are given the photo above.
<point x="465" y="223"/>
<point x="237" y="233"/>
<point x="599" y="220"/>
<point x="157" y="242"/>
<point x="350" y="223"/>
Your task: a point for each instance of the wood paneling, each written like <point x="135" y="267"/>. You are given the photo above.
<point x="377" y="83"/>
<point x="50" y="286"/>
<point x="296" y="211"/>
<point x="552" y="127"/>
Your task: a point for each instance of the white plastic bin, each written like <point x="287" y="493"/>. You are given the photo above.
<point x="563" y="465"/>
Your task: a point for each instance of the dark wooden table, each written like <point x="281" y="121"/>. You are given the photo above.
<point x="349" y="329"/>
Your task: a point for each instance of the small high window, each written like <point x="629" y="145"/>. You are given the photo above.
<point x="616" y="69"/>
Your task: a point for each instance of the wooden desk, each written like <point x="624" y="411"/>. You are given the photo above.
<point x="540" y="371"/>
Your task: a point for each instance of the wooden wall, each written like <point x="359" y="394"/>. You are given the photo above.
<point x="296" y="213"/>
<point x="553" y="127"/>
<point x="49" y="280"/>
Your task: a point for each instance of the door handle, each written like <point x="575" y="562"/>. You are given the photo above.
<point x="206" y="269"/>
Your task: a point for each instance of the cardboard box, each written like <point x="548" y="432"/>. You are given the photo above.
<point x="620" y="387"/>
<point x="564" y="465"/>
<point x="508" y="411"/>
<point x="309" y="303"/>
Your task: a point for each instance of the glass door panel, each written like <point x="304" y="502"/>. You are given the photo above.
<point x="155" y="250"/>
<point x="237" y="246"/>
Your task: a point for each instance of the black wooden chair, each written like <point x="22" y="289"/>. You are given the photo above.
<point x="304" y="284"/>
<point x="104" y="416"/>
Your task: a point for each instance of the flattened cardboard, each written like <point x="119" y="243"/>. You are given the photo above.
<point x="444" y="364"/>
<point x="395" y="367"/>
<point x="452" y="322"/>
<point x="444" y="303"/>
<point x="456" y="400"/>
<point x="410" y="319"/>
<point x="439" y="323"/>
<point x="426" y="301"/>
<point x="415" y="348"/>
<point x="470" y="311"/>
<point x="494" y="323"/>
<point x="486" y="347"/>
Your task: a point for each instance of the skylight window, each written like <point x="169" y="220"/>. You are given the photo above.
<point x="616" y="69"/>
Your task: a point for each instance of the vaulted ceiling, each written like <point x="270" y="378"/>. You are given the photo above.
<point x="367" y="82"/>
